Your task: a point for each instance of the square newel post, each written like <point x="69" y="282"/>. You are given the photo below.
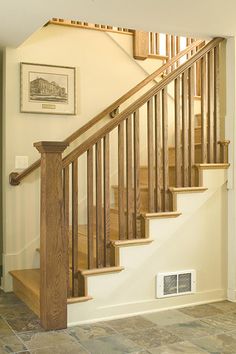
<point x="53" y="243"/>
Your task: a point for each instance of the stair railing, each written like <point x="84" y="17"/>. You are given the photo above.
<point x="124" y="137"/>
<point x="15" y="178"/>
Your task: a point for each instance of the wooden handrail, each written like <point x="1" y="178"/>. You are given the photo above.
<point x="15" y="178"/>
<point x="138" y="103"/>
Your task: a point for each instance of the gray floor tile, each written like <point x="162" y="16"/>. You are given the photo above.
<point x="222" y="344"/>
<point x="11" y="312"/>
<point x="67" y="348"/>
<point x="25" y="323"/>
<point x="36" y="340"/>
<point x="225" y="306"/>
<point x="194" y="329"/>
<point x="178" y="348"/>
<point x="11" y="344"/>
<point x="152" y="337"/>
<point x="223" y="323"/>
<point x="116" y="344"/>
<point x="201" y="311"/>
<point x="85" y="332"/>
<point x="165" y="318"/>
<point x="135" y="323"/>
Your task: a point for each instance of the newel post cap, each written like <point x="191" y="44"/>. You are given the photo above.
<point x="51" y="146"/>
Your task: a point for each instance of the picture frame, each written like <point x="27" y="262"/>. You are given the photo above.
<point x="47" y="89"/>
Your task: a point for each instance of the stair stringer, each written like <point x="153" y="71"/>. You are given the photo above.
<point x="196" y="239"/>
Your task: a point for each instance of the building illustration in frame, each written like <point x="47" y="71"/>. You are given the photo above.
<point x="52" y="89"/>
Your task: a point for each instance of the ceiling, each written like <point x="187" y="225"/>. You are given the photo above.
<point x="20" y="18"/>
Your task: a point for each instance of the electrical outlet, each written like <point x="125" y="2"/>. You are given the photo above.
<point x="21" y="162"/>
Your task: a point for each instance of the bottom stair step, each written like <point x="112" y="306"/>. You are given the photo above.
<point x="26" y="286"/>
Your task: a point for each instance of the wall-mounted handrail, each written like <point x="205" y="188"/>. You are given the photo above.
<point x="16" y="178"/>
<point x="73" y="155"/>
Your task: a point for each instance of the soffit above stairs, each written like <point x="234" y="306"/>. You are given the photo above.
<point x="19" y="19"/>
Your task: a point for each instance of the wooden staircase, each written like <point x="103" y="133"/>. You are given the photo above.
<point x="117" y="213"/>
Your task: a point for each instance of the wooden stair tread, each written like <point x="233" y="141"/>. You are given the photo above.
<point x="187" y="189"/>
<point x="29" y="278"/>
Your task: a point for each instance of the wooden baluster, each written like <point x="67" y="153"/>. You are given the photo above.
<point x="75" y="257"/>
<point x="188" y="42"/>
<point x="99" y="240"/>
<point x="203" y="111"/>
<point x="198" y="72"/>
<point x="165" y="149"/>
<point x="177" y="134"/>
<point x="177" y="49"/>
<point x="210" y="81"/>
<point x="152" y="42"/>
<point x="66" y="198"/>
<point x="106" y="159"/>
<point x="121" y="182"/>
<point x="157" y="37"/>
<point x="150" y="143"/>
<point x="191" y="85"/>
<point x="90" y="220"/>
<point x="129" y="194"/>
<point x="173" y="50"/>
<point x="168" y="50"/>
<point x="185" y="128"/>
<point x="216" y="106"/>
<point x="158" y="164"/>
<point x="136" y="176"/>
<point x="53" y="243"/>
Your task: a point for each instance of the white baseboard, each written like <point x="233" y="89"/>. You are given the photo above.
<point x="231" y="295"/>
<point x="92" y="311"/>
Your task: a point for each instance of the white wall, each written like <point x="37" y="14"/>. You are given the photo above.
<point x="104" y="73"/>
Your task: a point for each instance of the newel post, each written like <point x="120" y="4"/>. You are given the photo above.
<point x="53" y="243"/>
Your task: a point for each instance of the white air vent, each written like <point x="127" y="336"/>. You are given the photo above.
<point x="175" y="283"/>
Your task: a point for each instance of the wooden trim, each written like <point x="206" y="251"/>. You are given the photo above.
<point x="129" y="170"/>
<point x="158" y="152"/>
<point x="53" y="243"/>
<point x="185" y="147"/>
<point x="106" y="198"/>
<point x="127" y="243"/>
<point x="90" y="212"/>
<point x="158" y="56"/>
<point x="75" y="223"/>
<point x="121" y="180"/>
<point x="90" y="26"/>
<point x="187" y="189"/>
<point x="224" y="150"/>
<point x="165" y="150"/>
<point x="140" y="45"/>
<point x="150" y="149"/>
<point x="99" y="216"/>
<point x="136" y="175"/>
<point x="162" y="215"/>
<point x="75" y="300"/>
<point x="204" y="109"/>
<point x="99" y="271"/>
<point x="212" y="166"/>
<point x="178" y="151"/>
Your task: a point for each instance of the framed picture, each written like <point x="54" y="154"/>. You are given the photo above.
<point x="47" y="89"/>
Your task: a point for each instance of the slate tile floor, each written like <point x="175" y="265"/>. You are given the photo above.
<point x="192" y="330"/>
